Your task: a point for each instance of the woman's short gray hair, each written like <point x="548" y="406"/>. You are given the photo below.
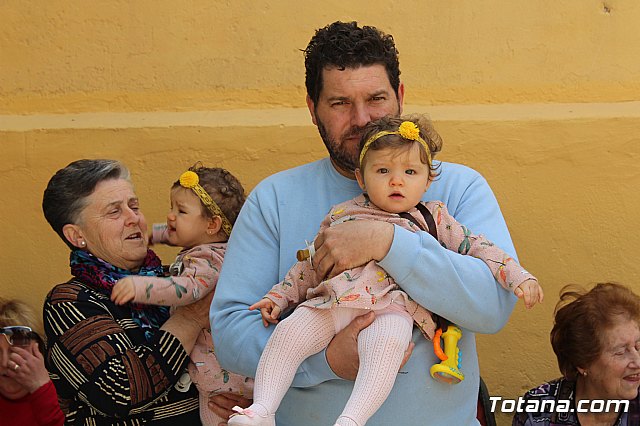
<point x="67" y="191"/>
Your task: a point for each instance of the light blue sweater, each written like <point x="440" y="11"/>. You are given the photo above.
<point x="286" y="209"/>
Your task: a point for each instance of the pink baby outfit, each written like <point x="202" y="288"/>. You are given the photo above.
<point x="194" y="274"/>
<point x="382" y="344"/>
<point x="369" y="286"/>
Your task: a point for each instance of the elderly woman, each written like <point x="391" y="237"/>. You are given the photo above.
<point x="27" y="395"/>
<point x="113" y="364"/>
<point x="596" y="338"/>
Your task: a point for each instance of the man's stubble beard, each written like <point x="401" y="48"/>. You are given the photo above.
<point x="336" y="152"/>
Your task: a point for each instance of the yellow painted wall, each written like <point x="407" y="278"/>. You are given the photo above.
<point x="122" y="55"/>
<point x="542" y="98"/>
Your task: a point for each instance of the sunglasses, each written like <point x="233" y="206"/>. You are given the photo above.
<point x="18" y="335"/>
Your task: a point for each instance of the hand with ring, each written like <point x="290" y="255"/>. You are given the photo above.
<point x="28" y="367"/>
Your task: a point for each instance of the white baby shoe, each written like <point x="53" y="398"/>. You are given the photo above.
<point x="248" y="417"/>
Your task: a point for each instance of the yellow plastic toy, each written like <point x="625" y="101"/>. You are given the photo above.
<point x="448" y="370"/>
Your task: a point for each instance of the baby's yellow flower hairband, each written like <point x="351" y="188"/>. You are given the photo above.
<point x="407" y="130"/>
<point x="191" y="181"/>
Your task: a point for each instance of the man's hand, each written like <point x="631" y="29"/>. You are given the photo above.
<point x="222" y="403"/>
<point x="350" y="244"/>
<point x="342" y="352"/>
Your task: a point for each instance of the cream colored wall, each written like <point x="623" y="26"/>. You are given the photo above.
<point x="542" y="98"/>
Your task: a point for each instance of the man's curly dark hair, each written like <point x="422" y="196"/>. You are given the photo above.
<point x="345" y="45"/>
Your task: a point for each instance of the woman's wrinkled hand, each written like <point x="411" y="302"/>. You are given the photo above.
<point x="197" y="311"/>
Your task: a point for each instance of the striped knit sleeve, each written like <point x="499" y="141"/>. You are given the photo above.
<point x="101" y="355"/>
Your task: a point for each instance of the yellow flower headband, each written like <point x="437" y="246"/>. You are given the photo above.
<point x="191" y="180"/>
<point x="407" y="130"/>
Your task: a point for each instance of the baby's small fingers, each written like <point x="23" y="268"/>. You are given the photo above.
<point x="260" y="304"/>
<point x="124" y="298"/>
<point x="275" y="312"/>
<point x="265" y="311"/>
<point x="266" y="315"/>
<point x="527" y="296"/>
<point x="518" y="292"/>
<point x="272" y="320"/>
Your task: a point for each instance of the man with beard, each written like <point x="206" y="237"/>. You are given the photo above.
<point x="353" y="77"/>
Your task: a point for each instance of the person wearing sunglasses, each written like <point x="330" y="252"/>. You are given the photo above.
<point x="113" y="364"/>
<point x="27" y="394"/>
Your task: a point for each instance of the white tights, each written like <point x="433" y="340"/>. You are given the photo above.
<point x="307" y="331"/>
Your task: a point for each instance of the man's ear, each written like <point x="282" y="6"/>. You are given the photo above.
<point x="360" y="179"/>
<point x="401" y="96"/>
<point x="73" y="234"/>
<point x="312" y="110"/>
<point x="214" y="226"/>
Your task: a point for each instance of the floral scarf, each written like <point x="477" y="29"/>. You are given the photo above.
<point x="102" y="276"/>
